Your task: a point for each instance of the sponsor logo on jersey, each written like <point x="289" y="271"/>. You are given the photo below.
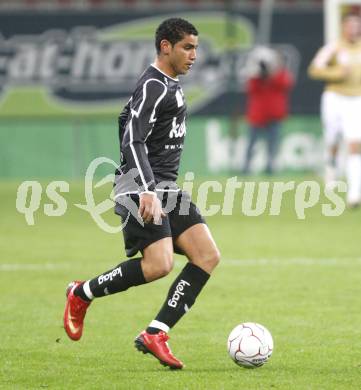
<point x="177" y="130"/>
<point x="173" y="302"/>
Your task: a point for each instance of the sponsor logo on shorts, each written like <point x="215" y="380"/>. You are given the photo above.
<point x="110" y="275"/>
<point x="178" y="293"/>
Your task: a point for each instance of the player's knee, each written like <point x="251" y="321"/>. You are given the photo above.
<point x="163" y="266"/>
<point x="166" y="268"/>
<point x="210" y="260"/>
<point x="162" y="270"/>
<point x="215" y="258"/>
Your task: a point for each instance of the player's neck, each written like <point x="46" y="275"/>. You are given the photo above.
<point x="165" y="68"/>
<point x="352" y="40"/>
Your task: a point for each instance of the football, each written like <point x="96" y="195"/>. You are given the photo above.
<point x="250" y="345"/>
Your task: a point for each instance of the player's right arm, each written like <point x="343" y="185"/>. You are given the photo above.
<point x="123" y="119"/>
<point x="150" y="208"/>
<point x="144" y="109"/>
<point x="324" y="67"/>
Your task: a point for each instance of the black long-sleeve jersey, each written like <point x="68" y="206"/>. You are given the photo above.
<point x="151" y="134"/>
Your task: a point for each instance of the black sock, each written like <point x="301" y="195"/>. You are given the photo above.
<point x="79" y="292"/>
<point x="152" y="330"/>
<point x="125" y="275"/>
<point x="181" y="296"/>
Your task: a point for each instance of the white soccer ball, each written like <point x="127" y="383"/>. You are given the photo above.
<point x="250" y="345"/>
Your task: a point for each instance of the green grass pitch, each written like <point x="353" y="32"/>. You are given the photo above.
<point x="299" y="278"/>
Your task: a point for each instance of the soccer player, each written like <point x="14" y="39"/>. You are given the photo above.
<point x="339" y="65"/>
<point x="151" y="131"/>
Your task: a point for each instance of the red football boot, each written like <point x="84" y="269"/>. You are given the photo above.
<point x="157" y="345"/>
<point x="75" y="310"/>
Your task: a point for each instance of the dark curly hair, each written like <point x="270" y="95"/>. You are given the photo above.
<point x="173" y="30"/>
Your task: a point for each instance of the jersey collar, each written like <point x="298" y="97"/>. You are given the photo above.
<point x="163" y="73"/>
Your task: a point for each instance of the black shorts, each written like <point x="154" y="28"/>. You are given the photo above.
<point x="181" y="214"/>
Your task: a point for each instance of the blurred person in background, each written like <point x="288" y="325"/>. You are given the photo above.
<point x="267" y="100"/>
<point x="338" y="64"/>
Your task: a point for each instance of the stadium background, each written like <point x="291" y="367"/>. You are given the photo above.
<point x="67" y="68"/>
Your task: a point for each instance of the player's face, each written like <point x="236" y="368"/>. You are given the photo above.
<point x="352" y="28"/>
<point x="183" y="54"/>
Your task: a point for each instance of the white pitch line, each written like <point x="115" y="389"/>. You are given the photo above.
<point x="31" y="267"/>
<point x="349" y="261"/>
<point x="302" y="261"/>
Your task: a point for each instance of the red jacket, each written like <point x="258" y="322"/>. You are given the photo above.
<point x="267" y="99"/>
